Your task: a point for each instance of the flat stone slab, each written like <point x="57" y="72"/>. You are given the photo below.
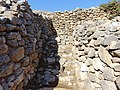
<point x="105" y="56"/>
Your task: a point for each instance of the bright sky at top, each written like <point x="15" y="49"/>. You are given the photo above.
<point x="62" y="5"/>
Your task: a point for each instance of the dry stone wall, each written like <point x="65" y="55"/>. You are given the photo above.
<point x="22" y="36"/>
<point x="73" y="50"/>
<point x="68" y="20"/>
<point x="18" y="44"/>
<point x="88" y="47"/>
<point x="95" y="49"/>
<point x="48" y="68"/>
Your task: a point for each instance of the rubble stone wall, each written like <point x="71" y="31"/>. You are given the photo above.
<point x="96" y="54"/>
<point x="88" y="46"/>
<point x="68" y="20"/>
<point x="21" y="43"/>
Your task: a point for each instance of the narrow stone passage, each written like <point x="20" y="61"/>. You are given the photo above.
<point x="71" y="50"/>
<point x="48" y="70"/>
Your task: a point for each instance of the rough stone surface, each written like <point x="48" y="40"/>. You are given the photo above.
<point x="49" y="78"/>
<point x="73" y="50"/>
<point x="105" y="56"/>
<point x="116" y="60"/>
<point x="1" y="88"/>
<point x="107" y="85"/>
<point x="87" y="84"/>
<point x="109" y="74"/>
<point x="2" y="39"/>
<point x="97" y="64"/>
<point x="5" y="86"/>
<point x="118" y="82"/>
<point x="17" y="54"/>
<point x="25" y="61"/>
<point x="18" y="79"/>
<point x="117" y="68"/>
<point x="116" y="53"/>
<point x="3" y="49"/>
<point x="109" y="39"/>
<point x="10" y="78"/>
<point x="4" y="59"/>
<point x="91" y="52"/>
<point x="6" y="70"/>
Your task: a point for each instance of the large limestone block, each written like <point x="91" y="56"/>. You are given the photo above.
<point x="105" y="56"/>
